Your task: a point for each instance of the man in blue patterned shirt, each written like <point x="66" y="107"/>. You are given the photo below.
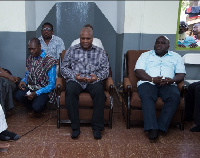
<point x="158" y="72"/>
<point x="37" y="88"/>
<point x="51" y="44"/>
<point x="84" y="67"/>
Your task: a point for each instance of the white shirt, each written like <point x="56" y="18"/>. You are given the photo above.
<point x="3" y="124"/>
<point x="55" y="46"/>
<point x="96" y="42"/>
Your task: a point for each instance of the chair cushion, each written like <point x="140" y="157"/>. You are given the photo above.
<point x="84" y="99"/>
<point x="132" y="56"/>
<point x="136" y="102"/>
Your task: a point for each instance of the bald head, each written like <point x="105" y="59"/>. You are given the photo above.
<point x="87" y="29"/>
<point x="34" y="47"/>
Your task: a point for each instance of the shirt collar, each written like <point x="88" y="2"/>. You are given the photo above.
<point x="50" y="40"/>
<point x="182" y="36"/>
<point x="78" y="46"/>
<point x="168" y="53"/>
<point x="42" y="55"/>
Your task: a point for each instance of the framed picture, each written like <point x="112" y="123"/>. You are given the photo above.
<point x="188" y="25"/>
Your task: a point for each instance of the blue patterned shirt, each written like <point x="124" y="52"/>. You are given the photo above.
<point x="154" y="65"/>
<point x="52" y="78"/>
<point x="55" y="46"/>
<point x="92" y="61"/>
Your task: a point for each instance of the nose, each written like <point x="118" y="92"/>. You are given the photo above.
<point x="85" y="40"/>
<point x="31" y="50"/>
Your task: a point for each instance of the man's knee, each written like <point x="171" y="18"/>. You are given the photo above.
<point x="72" y="88"/>
<point x="174" y="98"/>
<point x="19" y="95"/>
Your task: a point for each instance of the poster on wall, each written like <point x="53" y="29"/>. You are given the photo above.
<point x="188" y="26"/>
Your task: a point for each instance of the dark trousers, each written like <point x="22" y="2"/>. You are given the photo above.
<point x="149" y="94"/>
<point x="96" y="91"/>
<point x="192" y="103"/>
<point x="38" y="104"/>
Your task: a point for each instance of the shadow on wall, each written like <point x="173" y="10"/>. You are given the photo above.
<point x="69" y="17"/>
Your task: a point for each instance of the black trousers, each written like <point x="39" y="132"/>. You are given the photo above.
<point x="96" y="91"/>
<point x="38" y="104"/>
<point x="192" y="103"/>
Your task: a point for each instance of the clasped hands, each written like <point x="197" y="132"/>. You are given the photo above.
<point x="160" y="81"/>
<point x="86" y="79"/>
<point x="30" y="96"/>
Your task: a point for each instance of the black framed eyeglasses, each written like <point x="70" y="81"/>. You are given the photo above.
<point x="46" y="29"/>
<point x="183" y="26"/>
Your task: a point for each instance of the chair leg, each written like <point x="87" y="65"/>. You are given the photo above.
<point x="128" y="119"/>
<point x="58" y="112"/>
<point x="182" y="121"/>
<point x="110" y="118"/>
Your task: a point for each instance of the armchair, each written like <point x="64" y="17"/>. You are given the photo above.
<point x="85" y="101"/>
<point x="131" y="104"/>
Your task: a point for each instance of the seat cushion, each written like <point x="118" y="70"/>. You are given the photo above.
<point x="84" y="99"/>
<point x="136" y="102"/>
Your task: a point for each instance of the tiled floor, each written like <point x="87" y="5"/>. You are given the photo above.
<point x="46" y="141"/>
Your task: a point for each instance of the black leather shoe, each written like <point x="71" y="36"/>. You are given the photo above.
<point x="97" y="134"/>
<point x="75" y="134"/>
<point x="153" y="134"/>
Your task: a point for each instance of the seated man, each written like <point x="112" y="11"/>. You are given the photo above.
<point x="192" y="105"/>
<point x="96" y="41"/>
<point x="5" y="134"/>
<point x="84" y="67"/>
<point x="51" y="44"/>
<point x="37" y="88"/>
<point x="7" y="87"/>
<point x="183" y="39"/>
<point x="158" y="72"/>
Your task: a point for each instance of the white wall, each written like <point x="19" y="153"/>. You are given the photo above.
<point x="12" y="16"/>
<point x="151" y="17"/>
<point x="30" y="15"/>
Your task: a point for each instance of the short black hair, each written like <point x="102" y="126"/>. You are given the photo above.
<point x="47" y="23"/>
<point x="36" y="40"/>
<point x="88" y="25"/>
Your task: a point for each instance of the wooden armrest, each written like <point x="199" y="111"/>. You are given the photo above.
<point x="182" y="88"/>
<point x="180" y="85"/>
<point x="127" y="85"/>
<point x="59" y="85"/>
<point x="108" y="83"/>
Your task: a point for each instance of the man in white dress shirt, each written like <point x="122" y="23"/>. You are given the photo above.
<point x="51" y="44"/>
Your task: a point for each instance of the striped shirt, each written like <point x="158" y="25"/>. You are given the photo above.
<point x="86" y="62"/>
<point x="52" y="78"/>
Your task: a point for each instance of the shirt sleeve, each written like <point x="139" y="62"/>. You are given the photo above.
<point x="25" y="78"/>
<point x="180" y="67"/>
<point x="65" y="69"/>
<point x="103" y="72"/>
<point x="60" y="47"/>
<point x="52" y="82"/>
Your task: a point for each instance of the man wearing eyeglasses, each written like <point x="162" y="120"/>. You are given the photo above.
<point x="184" y="40"/>
<point x="51" y="44"/>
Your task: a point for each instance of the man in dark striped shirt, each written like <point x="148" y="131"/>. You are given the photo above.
<point x="84" y="67"/>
